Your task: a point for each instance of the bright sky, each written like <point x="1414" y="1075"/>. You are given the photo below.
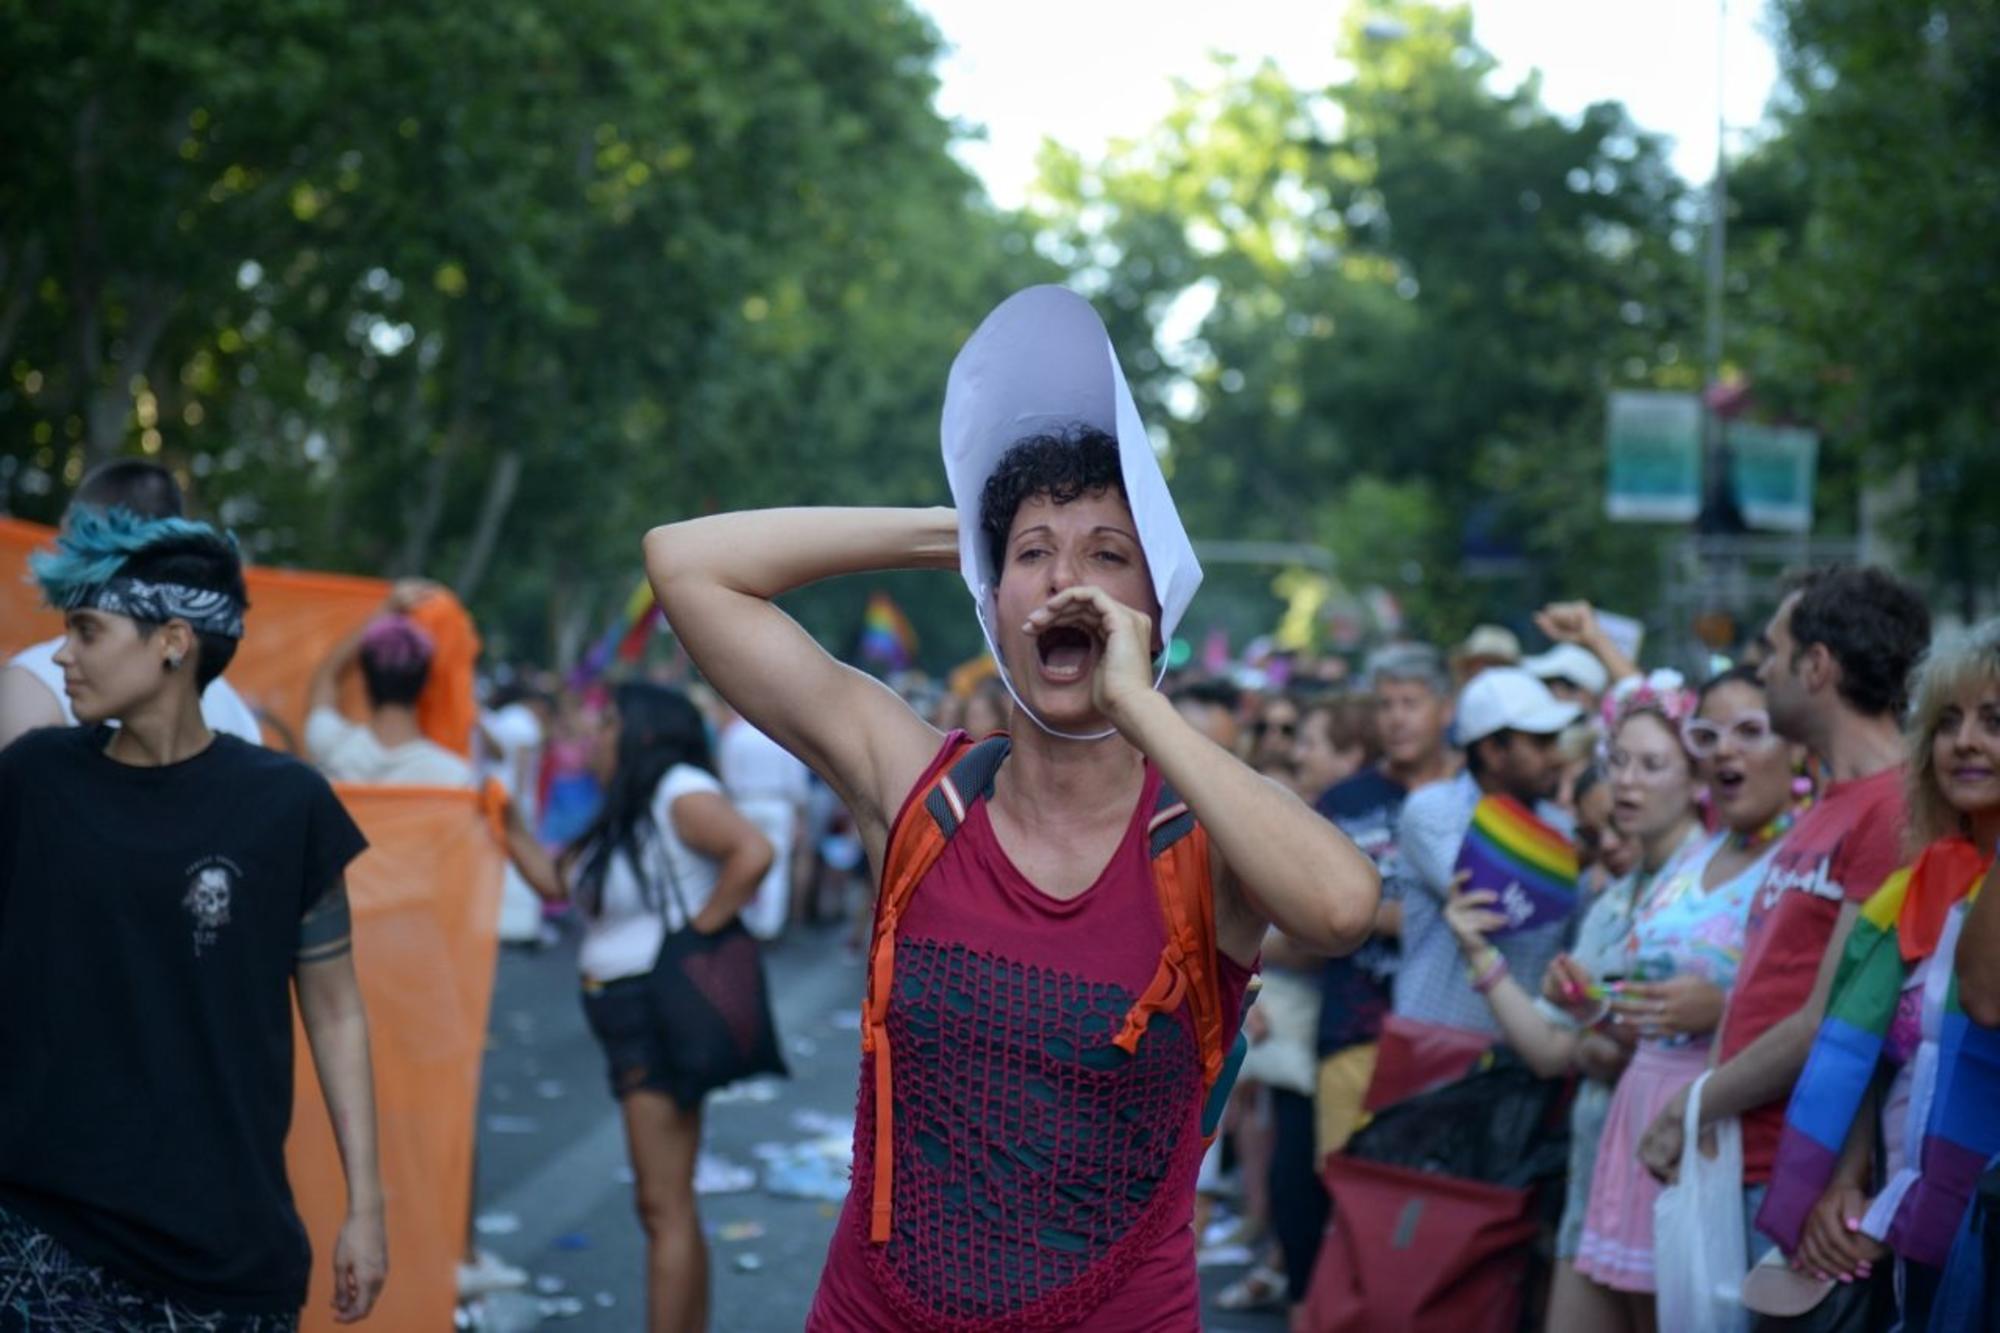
<point x="1084" y="72"/>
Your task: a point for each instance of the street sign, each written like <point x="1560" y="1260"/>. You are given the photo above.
<point x="1773" y="468"/>
<point x="1653" y="443"/>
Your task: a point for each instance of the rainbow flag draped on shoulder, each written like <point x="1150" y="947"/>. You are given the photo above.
<point x="1527" y="864"/>
<point x="1956" y="1082"/>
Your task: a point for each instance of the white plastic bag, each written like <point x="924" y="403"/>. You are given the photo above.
<point x="1699" y="1251"/>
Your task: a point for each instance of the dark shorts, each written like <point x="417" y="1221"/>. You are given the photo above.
<point x="46" y="1289"/>
<point x="620" y="1014"/>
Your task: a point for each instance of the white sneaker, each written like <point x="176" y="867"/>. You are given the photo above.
<point x="489" y="1274"/>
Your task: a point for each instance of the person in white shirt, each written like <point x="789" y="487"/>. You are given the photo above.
<point x="510" y="739"/>
<point x="31" y="684"/>
<point x="667" y="850"/>
<point x="389" y="748"/>
<point x="769" y="786"/>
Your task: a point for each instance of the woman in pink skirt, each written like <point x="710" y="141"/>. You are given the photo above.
<point x="1687" y="927"/>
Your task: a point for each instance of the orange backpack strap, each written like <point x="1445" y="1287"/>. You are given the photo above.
<point x="915" y="844"/>
<point x="1187" y="971"/>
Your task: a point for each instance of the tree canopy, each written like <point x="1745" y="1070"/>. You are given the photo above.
<point x="397" y="289"/>
<point x="484" y="291"/>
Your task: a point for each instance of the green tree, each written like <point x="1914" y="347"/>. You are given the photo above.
<point x="484" y="291"/>
<point x="1414" y="291"/>
<point x="1870" y="291"/>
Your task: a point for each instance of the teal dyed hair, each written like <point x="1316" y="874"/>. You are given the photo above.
<point x="96" y="544"/>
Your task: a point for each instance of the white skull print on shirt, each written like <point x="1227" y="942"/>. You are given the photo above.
<point x="211" y="881"/>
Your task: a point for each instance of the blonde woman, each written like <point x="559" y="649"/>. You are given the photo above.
<point x="1896" y="1060"/>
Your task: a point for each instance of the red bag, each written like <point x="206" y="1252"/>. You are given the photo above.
<point x="1416" y="1252"/>
<point x="1413" y="1057"/>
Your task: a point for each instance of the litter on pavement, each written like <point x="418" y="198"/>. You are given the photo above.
<point x="717" y="1175"/>
<point x="496" y="1224"/>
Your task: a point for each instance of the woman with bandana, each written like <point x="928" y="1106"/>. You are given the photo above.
<point x="148" y="959"/>
<point x="1028" y="1159"/>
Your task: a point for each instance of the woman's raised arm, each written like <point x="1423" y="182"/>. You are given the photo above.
<point x="716" y="578"/>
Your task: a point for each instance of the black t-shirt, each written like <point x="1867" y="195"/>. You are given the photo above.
<point x="149" y="919"/>
<point x="1354" y="991"/>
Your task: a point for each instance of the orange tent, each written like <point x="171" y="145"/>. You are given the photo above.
<point x="426" y="904"/>
<point x="23" y="619"/>
<point x="449" y="709"/>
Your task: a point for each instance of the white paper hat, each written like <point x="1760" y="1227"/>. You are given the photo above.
<point x="1040" y="362"/>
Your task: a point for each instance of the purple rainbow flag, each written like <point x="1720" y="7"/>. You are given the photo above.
<point x="1529" y="866"/>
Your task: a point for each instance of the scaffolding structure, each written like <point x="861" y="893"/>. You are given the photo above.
<point x="1705" y="575"/>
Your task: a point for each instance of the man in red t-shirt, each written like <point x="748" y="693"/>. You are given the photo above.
<point x="1838" y="654"/>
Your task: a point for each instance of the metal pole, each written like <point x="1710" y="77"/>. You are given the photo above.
<point x="1719" y="518"/>
<point x="1718" y="211"/>
<point x="1719" y="511"/>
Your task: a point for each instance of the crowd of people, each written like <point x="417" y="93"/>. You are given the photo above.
<point x="1127" y="939"/>
<point x="1731" y="832"/>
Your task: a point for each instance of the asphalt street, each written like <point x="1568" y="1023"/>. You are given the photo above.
<point x="555" y="1193"/>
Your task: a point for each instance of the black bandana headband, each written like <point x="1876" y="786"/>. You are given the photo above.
<point x="207" y="611"/>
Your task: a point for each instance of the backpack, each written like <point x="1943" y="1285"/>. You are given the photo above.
<point x="1186" y="974"/>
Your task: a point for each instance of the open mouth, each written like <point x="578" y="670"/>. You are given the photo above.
<point x="1065" y="652"/>
<point x="1728" y="782"/>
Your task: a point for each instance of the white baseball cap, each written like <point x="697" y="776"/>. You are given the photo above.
<point x="1571" y="662"/>
<point x="1509" y="699"/>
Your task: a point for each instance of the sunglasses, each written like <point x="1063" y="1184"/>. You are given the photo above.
<point x="1752" y="731"/>
<point x="1260" y="727"/>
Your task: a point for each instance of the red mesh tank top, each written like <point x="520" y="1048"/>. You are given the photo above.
<point x="1044" y="1179"/>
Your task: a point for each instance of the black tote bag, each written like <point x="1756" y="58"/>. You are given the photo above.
<point x="710" y="999"/>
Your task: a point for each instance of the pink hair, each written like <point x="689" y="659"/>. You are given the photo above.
<point x="397" y="643"/>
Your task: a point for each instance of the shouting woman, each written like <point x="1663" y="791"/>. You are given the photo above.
<point x="1026" y="1157"/>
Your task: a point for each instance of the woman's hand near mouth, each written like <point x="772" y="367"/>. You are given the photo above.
<point x="1124" y="668"/>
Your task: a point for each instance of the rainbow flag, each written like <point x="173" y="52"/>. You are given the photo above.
<point x="887" y="639"/>
<point x="1921" y="1206"/>
<point x="625" y="641"/>
<point x="1516" y="856"/>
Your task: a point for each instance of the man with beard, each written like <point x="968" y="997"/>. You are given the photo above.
<point x="1839" y="651"/>
<point x="1509" y="724"/>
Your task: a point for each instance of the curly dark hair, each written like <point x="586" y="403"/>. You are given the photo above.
<point x="1874" y="624"/>
<point x="1066" y="465"/>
